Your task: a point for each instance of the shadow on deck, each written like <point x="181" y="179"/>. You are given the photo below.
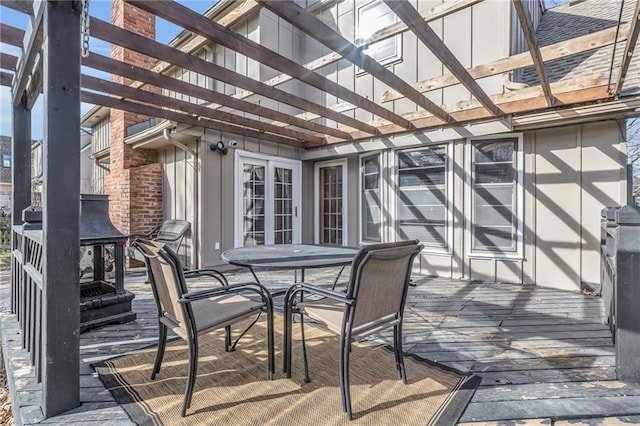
<point x="543" y="354"/>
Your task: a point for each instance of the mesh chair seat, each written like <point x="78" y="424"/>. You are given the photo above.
<point x="217" y="312"/>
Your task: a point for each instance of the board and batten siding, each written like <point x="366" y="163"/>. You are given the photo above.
<point x="201" y="190"/>
<point x="569" y="174"/>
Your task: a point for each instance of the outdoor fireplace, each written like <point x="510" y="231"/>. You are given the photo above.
<point x="102" y="301"/>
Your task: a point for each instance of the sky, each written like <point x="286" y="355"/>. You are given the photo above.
<point x="101" y="9"/>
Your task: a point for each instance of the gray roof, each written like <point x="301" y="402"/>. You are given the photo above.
<point x="578" y="18"/>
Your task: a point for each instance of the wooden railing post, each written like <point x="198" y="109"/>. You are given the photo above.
<point x="627" y="293"/>
<point x="607" y="255"/>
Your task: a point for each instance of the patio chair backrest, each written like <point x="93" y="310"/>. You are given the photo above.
<point x="167" y="282"/>
<point x="172" y="232"/>
<point x="379" y="280"/>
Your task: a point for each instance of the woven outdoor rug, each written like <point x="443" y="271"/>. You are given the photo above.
<point x="232" y="388"/>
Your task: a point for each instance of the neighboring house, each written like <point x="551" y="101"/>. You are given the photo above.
<point x="515" y="200"/>
<point x="5" y="174"/>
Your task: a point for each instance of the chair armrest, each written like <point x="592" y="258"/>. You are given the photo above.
<point x="230" y="289"/>
<point x="191" y="273"/>
<point x="309" y="288"/>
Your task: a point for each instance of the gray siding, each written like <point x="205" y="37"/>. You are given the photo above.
<point x="100" y="141"/>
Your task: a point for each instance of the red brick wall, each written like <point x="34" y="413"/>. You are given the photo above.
<point x="134" y="183"/>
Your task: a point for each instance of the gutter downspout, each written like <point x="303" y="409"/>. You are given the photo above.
<point x="167" y="135"/>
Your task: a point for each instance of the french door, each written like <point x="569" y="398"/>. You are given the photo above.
<point x="331" y="203"/>
<point x="267" y="200"/>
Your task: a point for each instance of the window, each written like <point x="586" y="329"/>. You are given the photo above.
<point x="373" y="17"/>
<point x="370" y="198"/>
<point x="422" y="204"/>
<point x="6" y="160"/>
<point x="495" y="184"/>
<point x="266" y="200"/>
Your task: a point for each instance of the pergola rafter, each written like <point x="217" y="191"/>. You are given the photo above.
<point x="629" y="47"/>
<point x="312" y="133"/>
<point x="423" y="31"/>
<point x="532" y="42"/>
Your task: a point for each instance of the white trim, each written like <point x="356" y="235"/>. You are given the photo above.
<point x="269" y="162"/>
<point x="316" y="197"/>
<point x="447" y="250"/>
<point x="518" y="254"/>
<point x="380" y="189"/>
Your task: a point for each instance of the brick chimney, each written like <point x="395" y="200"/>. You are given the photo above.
<point x="134" y="183"/>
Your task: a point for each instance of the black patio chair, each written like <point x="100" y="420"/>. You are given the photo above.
<point x="190" y="313"/>
<point x="374" y="300"/>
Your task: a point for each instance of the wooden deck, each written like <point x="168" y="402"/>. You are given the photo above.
<point x="543" y="354"/>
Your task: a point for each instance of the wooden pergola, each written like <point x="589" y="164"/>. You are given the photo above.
<point x="50" y="64"/>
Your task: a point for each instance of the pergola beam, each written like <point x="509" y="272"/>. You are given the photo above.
<point x="239" y="11"/>
<point x="146" y="46"/>
<point x="435" y="13"/>
<point x="8" y="62"/>
<point x="22" y="6"/>
<point x="5" y="79"/>
<point x="629" y="47"/>
<point x="11" y="35"/>
<point x="192" y="21"/>
<point x="534" y="50"/>
<point x="106" y="64"/>
<point x="153" y="111"/>
<point x="305" y="21"/>
<point x="154" y="99"/>
<point x="423" y="31"/>
<point x="551" y="52"/>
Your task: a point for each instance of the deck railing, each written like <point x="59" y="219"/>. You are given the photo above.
<point x="620" y="280"/>
<point x="26" y="300"/>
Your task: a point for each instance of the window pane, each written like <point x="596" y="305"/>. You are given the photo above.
<point x="494" y="173"/>
<point x="370" y="198"/>
<point x="494" y="185"/>
<point x="371" y="18"/>
<point x="422" y="195"/>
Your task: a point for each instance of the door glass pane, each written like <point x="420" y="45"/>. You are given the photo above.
<point x="283" y="200"/>
<point x="331" y="205"/>
<point x="254" y="207"/>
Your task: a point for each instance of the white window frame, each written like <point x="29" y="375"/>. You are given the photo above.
<point x="398" y="38"/>
<point x="518" y="253"/>
<point x="316" y="197"/>
<point x="447" y="249"/>
<point x="381" y="188"/>
<point x="270" y="162"/>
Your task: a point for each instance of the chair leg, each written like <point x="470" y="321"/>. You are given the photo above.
<point x="227" y="339"/>
<point x="287" y="339"/>
<point x="270" y="349"/>
<point x="191" y="378"/>
<point x="397" y="346"/>
<point x="345" y="353"/>
<point x="162" y="343"/>
<point x="307" y="379"/>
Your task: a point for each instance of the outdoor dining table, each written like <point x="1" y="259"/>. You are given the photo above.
<point x="290" y="257"/>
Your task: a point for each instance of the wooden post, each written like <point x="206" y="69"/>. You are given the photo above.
<point x="21" y="158"/>
<point x="61" y="208"/>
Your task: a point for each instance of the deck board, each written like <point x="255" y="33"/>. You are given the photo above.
<point x="544" y="355"/>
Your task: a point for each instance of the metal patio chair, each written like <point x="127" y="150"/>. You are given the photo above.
<point x="374" y="300"/>
<point x="190" y="313"/>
